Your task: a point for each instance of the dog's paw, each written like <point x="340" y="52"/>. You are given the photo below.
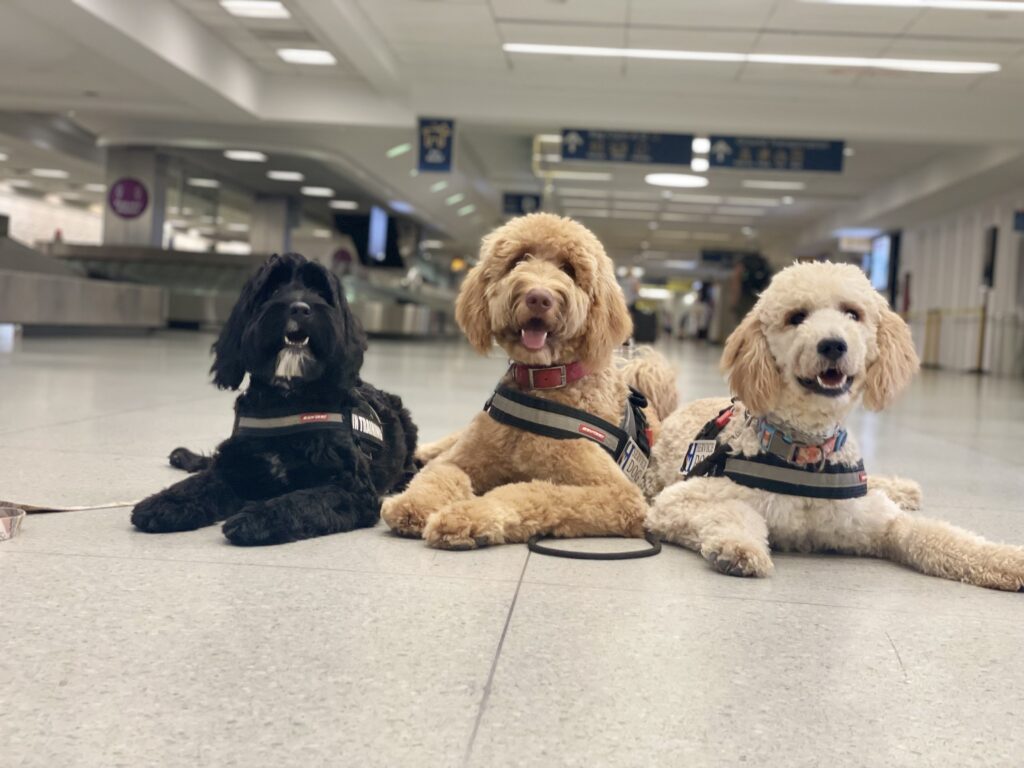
<point x="1000" y="567"/>
<point x="739" y="558"/>
<point x="253" y="527"/>
<point x="161" y="515"/>
<point x="465" y="524"/>
<point x="907" y="494"/>
<point x="403" y="516"/>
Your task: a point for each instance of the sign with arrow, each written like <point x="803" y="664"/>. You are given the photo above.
<point x="520" y="203"/>
<point x="766" y="154"/>
<point x="627" y="147"/>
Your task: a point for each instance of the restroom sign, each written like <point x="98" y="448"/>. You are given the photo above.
<point x="437" y="138"/>
<point x="128" y="198"/>
<point x="759" y="153"/>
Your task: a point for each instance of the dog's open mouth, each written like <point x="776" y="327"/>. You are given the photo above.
<point x="534" y="334"/>
<point x="296" y="338"/>
<point x="831" y="382"/>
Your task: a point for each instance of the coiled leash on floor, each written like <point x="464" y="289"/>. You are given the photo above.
<point x="534" y="545"/>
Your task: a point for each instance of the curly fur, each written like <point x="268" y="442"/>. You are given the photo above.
<point x="272" y="489"/>
<point x="492" y="483"/>
<point x="735" y="527"/>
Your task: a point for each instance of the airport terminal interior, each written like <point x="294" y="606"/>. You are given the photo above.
<point x="692" y="170"/>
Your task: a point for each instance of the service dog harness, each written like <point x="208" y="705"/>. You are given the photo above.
<point x="361" y="418"/>
<point x="629" y="443"/>
<point x="788" y="463"/>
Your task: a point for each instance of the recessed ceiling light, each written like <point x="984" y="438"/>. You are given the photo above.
<point x="238" y="226"/>
<point x="318" y="192"/>
<point x="53" y="199"/>
<point x="748" y="231"/>
<point x="432" y="244"/>
<point x="95" y="187"/>
<point x="245" y="155"/>
<point x="398" y="150"/>
<point x="3" y="157"/>
<point x="699" y="164"/>
<point x="701" y="145"/>
<point x="849" y="151"/>
<point x="344" y="205"/>
<point x="466" y="210"/>
<point x="676" y="180"/>
<point x="769" y="202"/>
<point x="787" y="200"/>
<point x="400" y="206"/>
<point x="256" y="9"/>
<point x="311" y="56"/>
<point x="321" y="233"/>
<point x="579" y="175"/>
<point x="856" y="232"/>
<point x="204" y="183"/>
<point x="946" y="5"/>
<point x="20" y="183"/>
<point x="780" y="185"/>
<point x="458" y="197"/>
<point x="49" y="173"/>
<point x="864" y="62"/>
<point x="439" y="186"/>
<point x="285" y="176"/>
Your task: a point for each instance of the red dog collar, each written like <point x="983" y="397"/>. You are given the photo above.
<point x="546" y="377"/>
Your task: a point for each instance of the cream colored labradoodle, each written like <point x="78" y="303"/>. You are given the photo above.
<point x="545" y="291"/>
<point x="818" y="342"/>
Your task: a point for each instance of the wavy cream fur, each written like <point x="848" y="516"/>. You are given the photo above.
<point x="735" y="527"/>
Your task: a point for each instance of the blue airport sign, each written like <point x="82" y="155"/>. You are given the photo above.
<point x="519" y="203"/>
<point x="760" y="153"/>
<point x="436" y="140"/>
<point x="627" y="147"/>
<point x="1018" y="221"/>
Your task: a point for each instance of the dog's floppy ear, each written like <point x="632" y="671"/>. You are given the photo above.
<point x="896" y="363"/>
<point x="609" y="322"/>
<point x="228" y="367"/>
<point x="471" y="312"/>
<point x="354" y="344"/>
<point x="748" y="364"/>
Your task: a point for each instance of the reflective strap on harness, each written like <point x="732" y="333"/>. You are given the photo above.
<point x="758" y="472"/>
<point x="362" y="420"/>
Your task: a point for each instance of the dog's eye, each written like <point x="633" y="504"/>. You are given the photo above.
<point x="852" y="313"/>
<point x="796" y="318"/>
<point x="517" y="261"/>
<point x="569" y="270"/>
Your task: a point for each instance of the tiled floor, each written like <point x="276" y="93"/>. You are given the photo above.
<point x="123" y="649"/>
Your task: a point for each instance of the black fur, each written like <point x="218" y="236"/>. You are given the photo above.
<point x="273" y="489"/>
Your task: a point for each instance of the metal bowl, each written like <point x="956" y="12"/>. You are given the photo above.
<point x="10" y="522"/>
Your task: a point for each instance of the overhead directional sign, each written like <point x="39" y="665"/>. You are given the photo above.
<point x="437" y="137"/>
<point x="765" y="154"/>
<point x="519" y="203"/>
<point x="627" y="147"/>
<point x="1018" y="221"/>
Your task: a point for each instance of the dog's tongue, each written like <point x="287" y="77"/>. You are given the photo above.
<point x="533" y="339"/>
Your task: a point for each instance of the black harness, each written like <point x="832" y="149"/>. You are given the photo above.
<point x="361" y="419"/>
<point x="628" y="444"/>
<point x="708" y="456"/>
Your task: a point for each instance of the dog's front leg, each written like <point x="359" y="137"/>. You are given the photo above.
<point x="430" y="451"/>
<point x="517" y="511"/>
<point x="703" y="514"/>
<point x="304" y="514"/>
<point x="195" y="502"/>
<point x="439" y="484"/>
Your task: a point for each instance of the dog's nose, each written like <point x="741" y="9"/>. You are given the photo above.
<point x="299" y="309"/>
<point x="539" y="301"/>
<point x="833" y="349"/>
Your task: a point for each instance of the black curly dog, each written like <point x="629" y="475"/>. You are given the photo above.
<point x="314" y="447"/>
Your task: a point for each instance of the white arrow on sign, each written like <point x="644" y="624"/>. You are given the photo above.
<point x="721" y="150"/>
<point x="573" y="141"/>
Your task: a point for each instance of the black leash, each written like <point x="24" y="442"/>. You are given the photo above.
<point x="535" y="546"/>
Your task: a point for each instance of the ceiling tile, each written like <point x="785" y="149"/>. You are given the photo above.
<point x="815" y="44"/>
<point x="691" y="40"/>
<point x="582" y="11"/>
<point x="990" y="26"/>
<point x="425" y="22"/>
<point x="733" y="14"/>
<point x="796" y="15"/>
<point x="562" y="34"/>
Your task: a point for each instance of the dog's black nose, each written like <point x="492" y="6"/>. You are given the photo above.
<point x="299" y="309"/>
<point x="833" y="349"/>
<point x="539" y="301"/>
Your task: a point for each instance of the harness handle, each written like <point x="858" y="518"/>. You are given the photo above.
<point x="534" y="545"/>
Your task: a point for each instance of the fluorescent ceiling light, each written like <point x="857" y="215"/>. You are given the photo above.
<point x="204" y="183"/>
<point x="318" y="192"/>
<point x="675" y="180"/>
<point x="864" y="62"/>
<point x="768" y="202"/>
<point x="856" y="232"/>
<point x="344" y="205"/>
<point x="701" y="145"/>
<point x="50" y="173"/>
<point x="53" y="199"/>
<point x="432" y="244"/>
<point x="589" y="213"/>
<point x="699" y="164"/>
<point x="787" y="200"/>
<point x="400" y="206"/>
<point x="548" y="157"/>
<point x="680" y="217"/>
<point x="256" y="9"/>
<point x="3" y="157"/>
<point x="398" y="150"/>
<point x="849" y="151"/>
<point x="466" y="210"/>
<point x="582" y="192"/>
<point x="439" y="186"/>
<point x="245" y="156"/>
<point x="741" y="211"/>
<point x="321" y="233"/>
<point x="286" y="176"/>
<point x="238" y="226"/>
<point x="311" y="56"/>
<point x="946" y="5"/>
<point x="95" y="187"/>
<point x="758" y="184"/>
<point x="579" y="175"/>
<point x="458" y="197"/>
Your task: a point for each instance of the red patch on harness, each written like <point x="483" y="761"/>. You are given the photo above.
<point x="591" y="432"/>
<point x="723" y="418"/>
<point x="863" y="477"/>
<point x="303" y="418"/>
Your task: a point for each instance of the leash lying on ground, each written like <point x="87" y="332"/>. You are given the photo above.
<point x="35" y="510"/>
<point x="534" y="545"/>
